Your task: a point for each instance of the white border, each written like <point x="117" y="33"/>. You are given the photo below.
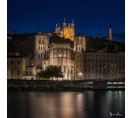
<point x="129" y="59"/>
<point x="3" y="59"/>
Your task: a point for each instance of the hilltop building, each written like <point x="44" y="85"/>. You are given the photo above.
<point x="66" y="31"/>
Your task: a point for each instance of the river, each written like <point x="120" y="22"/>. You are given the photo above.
<point x="85" y="104"/>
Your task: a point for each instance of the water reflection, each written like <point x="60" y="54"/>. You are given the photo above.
<point x="88" y="104"/>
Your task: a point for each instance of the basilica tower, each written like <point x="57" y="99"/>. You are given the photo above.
<point x="68" y="30"/>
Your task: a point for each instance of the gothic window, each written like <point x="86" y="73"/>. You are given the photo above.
<point x="64" y="53"/>
<point x="64" y="69"/>
<point x="89" y="70"/>
<point x="59" y="53"/>
<point x="39" y="41"/>
<point x="12" y="73"/>
<point x="100" y="70"/>
<point x="39" y="56"/>
<point x="96" y="70"/>
<point x="18" y="72"/>
<point x="26" y="73"/>
<point x="42" y="47"/>
<point x="43" y="41"/>
<point x="82" y="50"/>
<point x="12" y="62"/>
<point x="54" y="53"/>
<point x="18" y="62"/>
<point x="71" y="71"/>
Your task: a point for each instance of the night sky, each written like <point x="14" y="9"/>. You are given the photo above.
<point x="91" y="17"/>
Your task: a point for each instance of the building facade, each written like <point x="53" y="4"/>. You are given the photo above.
<point x="40" y="48"/>
<point x="100" y="65"/>
<point x="19" y="67"/>
<point x="80" y="43"/>
<point x="15" y="67"/>
<point x="32" y="48"/>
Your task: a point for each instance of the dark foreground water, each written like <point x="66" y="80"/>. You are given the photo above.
<point x="88" y="104"/>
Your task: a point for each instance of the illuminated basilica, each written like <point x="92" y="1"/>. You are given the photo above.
<point x="66" y="31"/>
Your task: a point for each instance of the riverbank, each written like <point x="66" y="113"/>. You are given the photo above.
<point x="63" y="89"/>
<point x="46" y="85"/>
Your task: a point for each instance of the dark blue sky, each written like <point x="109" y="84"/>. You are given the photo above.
<point x="91" y="17"/>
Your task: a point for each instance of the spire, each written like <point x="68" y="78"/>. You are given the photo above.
<point x="72" y="24"/>
<point x="64" y="23"/>
<point x="56" y="25"/>
<point x="110" y="32"/>
<point x="64" y="20"/>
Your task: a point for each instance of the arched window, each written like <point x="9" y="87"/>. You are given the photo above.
<point x="39" y="41"/>
<point x="39" y="56"/>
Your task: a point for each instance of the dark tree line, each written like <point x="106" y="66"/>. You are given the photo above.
<point x="51" y="72"/>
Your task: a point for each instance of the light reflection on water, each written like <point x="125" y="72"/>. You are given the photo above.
<point x="88" y="104"/>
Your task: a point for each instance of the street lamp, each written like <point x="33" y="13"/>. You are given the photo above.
<point x="80" y="75"/>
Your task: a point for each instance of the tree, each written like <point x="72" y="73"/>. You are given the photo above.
<point x="43" y="74"/>
<point x="50" y="72"/>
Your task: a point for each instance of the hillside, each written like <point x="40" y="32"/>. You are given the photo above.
<point x="95" y="44"/>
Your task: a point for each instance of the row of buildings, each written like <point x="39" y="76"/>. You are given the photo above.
<point x="79" y="56"/>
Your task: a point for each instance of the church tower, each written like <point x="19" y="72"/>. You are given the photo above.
<point x="57" y="29"/>
<point x="64" y="23"/>
<point x="110" y="33"/>
<point x="72" y="24"/>
<point x="68" y="31"/>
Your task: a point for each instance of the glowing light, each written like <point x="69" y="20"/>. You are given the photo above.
<point x="80" y="74"/>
